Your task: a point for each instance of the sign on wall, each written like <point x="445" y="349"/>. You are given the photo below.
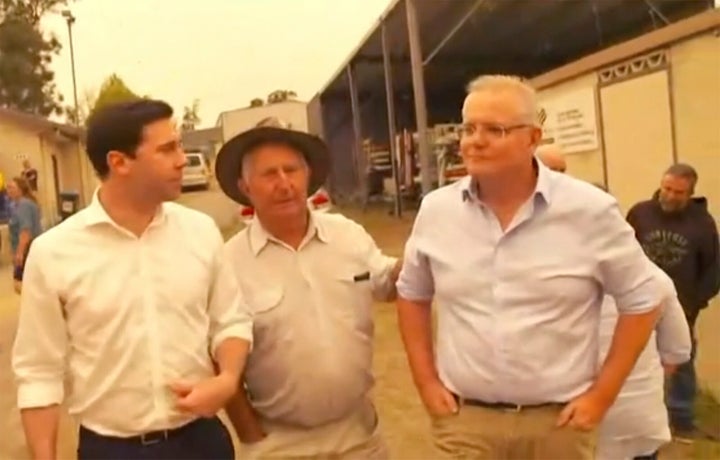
<point x="570" y="120"/>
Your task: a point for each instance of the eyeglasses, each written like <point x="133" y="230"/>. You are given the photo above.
<point x="490" y="130"/>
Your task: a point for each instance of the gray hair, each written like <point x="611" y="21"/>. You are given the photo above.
<point x="518" y="85"/>
<point x="685" y="171"/>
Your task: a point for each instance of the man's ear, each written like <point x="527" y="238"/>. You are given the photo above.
<point x="242" y="186"/>
<point x="118" y="162"/>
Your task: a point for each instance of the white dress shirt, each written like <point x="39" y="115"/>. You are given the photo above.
<point x="519" y="308"/>
<point x="120" y="317"/>
<point x="637" y="423"/>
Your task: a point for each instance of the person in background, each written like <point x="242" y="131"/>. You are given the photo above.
<point x="24" y="225"/>
<point x="4" y="203"/>
<point x="310" y="279"/>
<point x="30" y="174"/>
<point x="518" y="258"/>
<point x="552" y="156"/>
<point x="130" y="300"/>
<point x="636" y="425"/>
<point x="678" y="233"/>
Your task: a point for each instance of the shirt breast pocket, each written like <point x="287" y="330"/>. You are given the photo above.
<point x="352" y="292"/>
<point x="264" y="300"/>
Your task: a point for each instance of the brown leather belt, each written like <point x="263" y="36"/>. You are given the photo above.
<point x="506" y="406"/>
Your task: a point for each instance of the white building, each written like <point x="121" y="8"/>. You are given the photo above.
<point x="233" y="122"/>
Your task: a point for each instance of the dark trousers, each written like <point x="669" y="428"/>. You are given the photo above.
<point x="203" y="439"/>
<point x="681" y="394"/>
<point x="653" y="456"/>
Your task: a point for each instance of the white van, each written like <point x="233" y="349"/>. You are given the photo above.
<point x="196" y="173"/>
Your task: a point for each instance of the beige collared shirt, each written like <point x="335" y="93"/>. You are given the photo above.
<point x="122" y="317"/>
<point x="312" y="314"/>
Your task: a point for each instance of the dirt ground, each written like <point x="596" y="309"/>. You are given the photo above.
<point x="403" y="420"/>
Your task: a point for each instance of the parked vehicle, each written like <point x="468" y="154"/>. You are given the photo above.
<point x="319" y="201"/>
<point x="196" y="173"/>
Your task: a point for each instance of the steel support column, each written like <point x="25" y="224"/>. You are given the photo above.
<point x="453" y="31"/>
<point x="418" y="80"/>
<point x="359" y="156"/>
<point x="390" y="98"/>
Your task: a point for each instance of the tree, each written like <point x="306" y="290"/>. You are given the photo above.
<point x="112" y="91"/>
<point x="257" y="102"/>
<point x="86" y="103"/>
<point x="281" y="95"/>
<point x="26" y="81"/>
<point x="32" y="10"/>
<point x="191" y="117"/>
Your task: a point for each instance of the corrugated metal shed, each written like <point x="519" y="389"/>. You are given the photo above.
<point x="464" y="38"/>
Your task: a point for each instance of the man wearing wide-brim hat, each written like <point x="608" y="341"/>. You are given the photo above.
<point x="309" y="279"/>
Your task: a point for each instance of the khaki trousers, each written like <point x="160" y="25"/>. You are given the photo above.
<point x="356" y="437"/>
<point x="480" y="433"/>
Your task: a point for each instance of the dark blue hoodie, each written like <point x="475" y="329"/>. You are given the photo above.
<point x="685" y="245"/>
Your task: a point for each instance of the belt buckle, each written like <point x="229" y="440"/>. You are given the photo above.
<point x="148" y="439"/>
<point x="516" y="409"/>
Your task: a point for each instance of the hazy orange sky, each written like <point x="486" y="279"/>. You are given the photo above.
<point x="222" y="52"/>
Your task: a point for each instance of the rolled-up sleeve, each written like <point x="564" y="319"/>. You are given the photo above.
<point x="40" y="348"/>
<point x="623" y="269"/>
<point x="672" y="331"/>
<point x="229" y="314"/>
<point x="416" y="281"/>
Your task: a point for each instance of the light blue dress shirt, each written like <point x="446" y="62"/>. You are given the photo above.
<point x="518" y="310"/>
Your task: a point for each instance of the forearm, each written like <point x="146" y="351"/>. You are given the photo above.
<point x="242" y="415"/>
<point x="23" y="242"/>
<point x="629" y="339"/>
<point x="230" y="357"/>
<point x="41" y="428"/>
<point x="415" y="322"/>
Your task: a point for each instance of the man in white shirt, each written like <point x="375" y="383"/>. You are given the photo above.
<point x="636" y="425"/>
<point x="131" y="303"/>
<point x="309" y="279"/>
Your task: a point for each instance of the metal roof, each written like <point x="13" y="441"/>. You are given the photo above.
<point x="522" y="37"/>
<point x="41" y="124"/>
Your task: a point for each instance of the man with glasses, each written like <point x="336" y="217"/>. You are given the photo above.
<point x="518" y="258"/>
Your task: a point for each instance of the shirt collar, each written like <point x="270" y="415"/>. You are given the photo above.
<point x="543" y="186"/>
<point x="95" y="213"/>
<point x="259" y="237"/>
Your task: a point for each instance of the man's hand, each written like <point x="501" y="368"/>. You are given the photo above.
<point x="250" y="433"/>
<point x="584" y="412"/>
<point x="206" y="397"/>
<point x="438" y="401"/>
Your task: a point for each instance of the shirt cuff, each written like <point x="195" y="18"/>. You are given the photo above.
<point x="239" y="331"/>
<point x="40" y="394"/>
<point x="674" y="358"/>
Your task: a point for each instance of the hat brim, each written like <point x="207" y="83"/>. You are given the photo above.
<point x="228" y="164"/>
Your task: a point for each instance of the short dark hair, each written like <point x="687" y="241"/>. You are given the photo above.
<point x="685" y="171"/>
<point x="120" y="127"/>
